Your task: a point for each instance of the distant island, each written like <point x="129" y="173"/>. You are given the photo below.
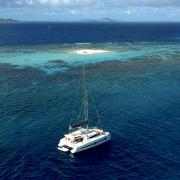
<point x="103" y="20"/>
<point x="106" y="20"/>
<point x="8" y="21"/>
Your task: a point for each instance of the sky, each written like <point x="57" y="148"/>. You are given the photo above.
<point x="78" y="10"/>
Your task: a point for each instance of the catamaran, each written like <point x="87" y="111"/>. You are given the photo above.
<point x="82" y="137"/>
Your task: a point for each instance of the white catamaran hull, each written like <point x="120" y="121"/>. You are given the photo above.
<point x="91" y="144"/>
<point x="66" y="146"/>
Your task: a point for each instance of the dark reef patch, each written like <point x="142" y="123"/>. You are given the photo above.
<point x="58" y="62"/>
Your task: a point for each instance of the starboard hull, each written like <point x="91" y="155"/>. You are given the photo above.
<point x="91" y="144"/>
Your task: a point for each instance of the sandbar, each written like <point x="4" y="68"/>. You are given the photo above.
<point x="90" y="51"/>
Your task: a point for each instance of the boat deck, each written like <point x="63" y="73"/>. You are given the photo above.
<point x="86" y="132"/>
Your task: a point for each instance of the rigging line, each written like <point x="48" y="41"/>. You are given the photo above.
<point x="97" y="113"/>
<point x="76" y="94"/>
<point x="80" y="112"/>
<point x="87" y="113"/>
<point x="85" y="94"/>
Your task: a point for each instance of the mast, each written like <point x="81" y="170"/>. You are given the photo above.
<point x="84" y="110"/>
<point x="85" y="96"/>
<point x="84" y="120"/>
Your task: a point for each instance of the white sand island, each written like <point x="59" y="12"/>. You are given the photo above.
<point x="91" y="51"/>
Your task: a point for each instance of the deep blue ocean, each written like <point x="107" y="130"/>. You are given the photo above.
<point x="136" y="85"/>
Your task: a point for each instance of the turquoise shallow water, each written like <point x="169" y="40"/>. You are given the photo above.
<point x="46" y="56"/>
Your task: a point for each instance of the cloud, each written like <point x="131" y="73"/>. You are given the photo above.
<point x="91" y="3"/>
<point x="128" y="11"/>
<point x="141" y="3"/>
<point x="68" y="2"/>
<point x="73" y="11"/>
<point x="16" y="3"/>
<point x="55" y="2"/>
<point x="50" y="13"/>
<point x="19" y="3"/>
